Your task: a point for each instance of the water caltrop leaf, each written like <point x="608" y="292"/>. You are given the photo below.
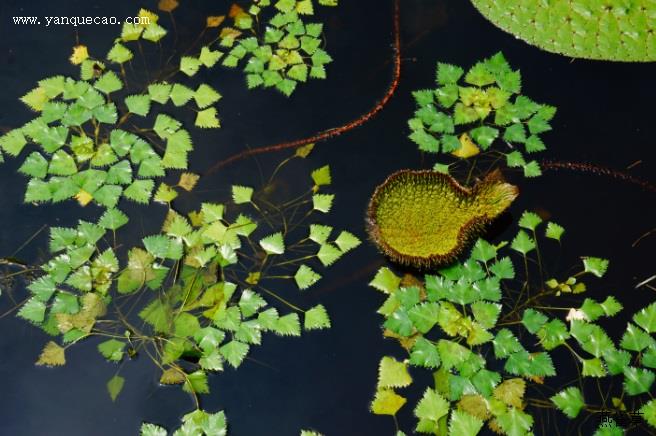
<point x="159" y="92"/>
<point x="241" y="194"/>
<point x="595" y="266"/>
<point x="319" y="233"/>
<point x="424" y="353"/>
<point x="115" y="386"/>
<point x="648" y="411"/>
<point x="515" y="422"/>
<point x="154" y="32"/>
<point x="119" y="53"/>
<point x="387" y="402"/>
<point x="523" y="243"/>
<point x="205" y="95"/>
<point x="196" y="382"/>
<point x="393" y="374"/>
<point x="322" y="202"/>
<point x="533" y="320"/>
<point x="511" y="392"/>
<point x="52" y="355"/>
<point x="386" y="281"/>
<point x="189" y="65"/>
<point x="35" y="99"/>
<point x="172" y="376"/>
<point x="304" y="151"/>
<point x="138" y="104"/>
<point x="52" y="86"/>
<point x="250" y="302"/>
<point x="646" y="318"/>
<point x="165" y="194"/>
<point x="13" y="142"/>
<point x="288" y="325"/>
<point x="214" y="21"/>
<point x="35" y="165"/>
<point x="273" y="244"/>
<point x="113" y="219"/>
<point x="554" y="231"/>
<point x="209" y="57"/>
<point x="328" y="254"/>
<point x="462" y="423"/>
<point x="593" y="368"/>
<point x="188" y="181"/>
<point x="152" y="430"/>
<point x="432" y="406"/>
<point x="108" y="195"/>
<point x="347" y="241"/>
<point x="112" y="349"/>
<point x="321" y="176"/>
<point x="181" y="94"/>
<point x="637" y="380"/>
<point x="306" y="277"/>
<point x="529" y="220"/>
<point x="108" y="83"/>
<point x="138" y="272"/>
<point x="62" y="164"/>
<point x="207" y="118"/>
<point x="80" y="53"/>
<point x="316" y="318"/>
<point x="139" y="191"/>
<point x="165" y="125"/>
<point x="569" y="401"/>
<point x="635" y="339"/>
<point x="234" y="352"/>
<point x="33" y="310"/>
<point x="448" y="74"/>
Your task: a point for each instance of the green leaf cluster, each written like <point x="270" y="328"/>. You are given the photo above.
<point x="288" y="52"/>
<point x="198" y="422"/>
<point x="475" y="111"/>
<point x="456" y="324"/>
<point x="192" y="307"/>
<point x="73" y="292"/>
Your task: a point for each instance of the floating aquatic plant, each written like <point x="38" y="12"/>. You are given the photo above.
<point x="591" y="29"/>
<point x="482" y="110"/>
<point x="203" y="287"/>
<point x="197" y="422"/>
<point x="86" y="149"/>
<point x="426" y="218"/>
<point x="201" y="423"/>
<point x="208" y="285"/>
<point x="487" y="330"/>
<point x="287" y="52"/>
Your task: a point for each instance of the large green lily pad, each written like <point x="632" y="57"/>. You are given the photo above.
<point x="426" y="218"/>
<point x="614" y="30"/>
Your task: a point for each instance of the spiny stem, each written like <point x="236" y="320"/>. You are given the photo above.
<point x="599" y="171"/>
<point x="331" y="133"/>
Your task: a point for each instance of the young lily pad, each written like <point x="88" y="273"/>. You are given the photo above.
<point x="425" y="218"/>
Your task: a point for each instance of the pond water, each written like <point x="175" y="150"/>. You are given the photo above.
<point x="324" y="380"/>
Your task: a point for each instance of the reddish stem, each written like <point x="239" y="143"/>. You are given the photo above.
<point x="599" y="171"/>
<point x="330" y="133"/>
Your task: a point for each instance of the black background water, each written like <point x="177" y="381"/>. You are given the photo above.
<point x="324" y="380"/>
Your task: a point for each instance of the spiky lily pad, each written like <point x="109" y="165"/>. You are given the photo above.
<point x="426" y="218"/>
<point x="594" y="29"/>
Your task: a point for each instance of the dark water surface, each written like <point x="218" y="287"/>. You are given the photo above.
<point x="324" y="380"/>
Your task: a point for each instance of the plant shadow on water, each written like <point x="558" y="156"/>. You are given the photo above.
<point x="326" y="380"/>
